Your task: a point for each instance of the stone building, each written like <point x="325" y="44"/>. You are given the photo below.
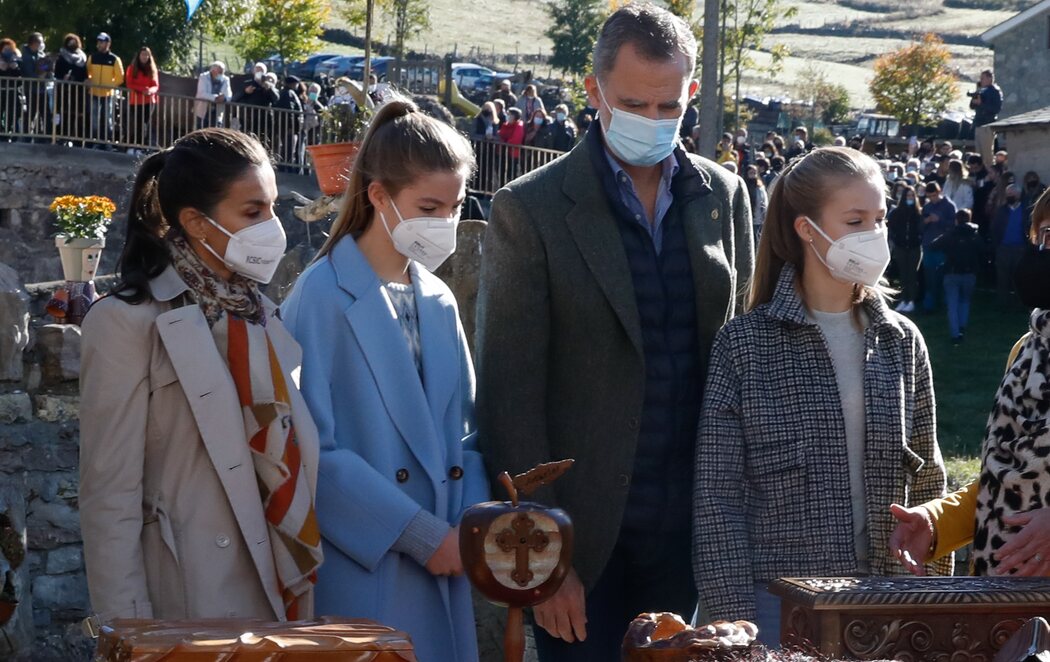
<point x="1027" y="138"/>
<point x="1022" y="57"/>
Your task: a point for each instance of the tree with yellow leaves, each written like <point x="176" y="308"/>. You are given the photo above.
<point x="915" y="83"/>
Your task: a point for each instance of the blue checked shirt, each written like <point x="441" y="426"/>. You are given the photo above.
<point x="630" y="198"/>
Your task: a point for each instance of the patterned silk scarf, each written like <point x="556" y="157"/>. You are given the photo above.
<point x="1015" y="468"/>
<point x="234" y="311"/>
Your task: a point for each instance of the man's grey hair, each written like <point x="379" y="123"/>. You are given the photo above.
<point x="656" y="34"/>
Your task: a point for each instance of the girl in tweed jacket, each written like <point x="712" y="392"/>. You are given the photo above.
<point x="819" y="407"/>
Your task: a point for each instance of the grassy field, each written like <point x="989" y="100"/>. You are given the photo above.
<point x="473" y="26"/>
<point x="966" y="376"/>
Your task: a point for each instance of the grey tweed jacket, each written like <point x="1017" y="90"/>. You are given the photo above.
<point x="771" y="495"/>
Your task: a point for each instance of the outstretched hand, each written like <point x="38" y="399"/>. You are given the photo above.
<point x="1028" y="552"/>
<point x="911" y="540"/>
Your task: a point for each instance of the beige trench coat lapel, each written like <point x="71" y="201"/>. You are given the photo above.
<point x="213" y="399"/>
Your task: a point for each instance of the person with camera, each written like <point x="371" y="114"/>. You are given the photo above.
<point x="986" y="103"/>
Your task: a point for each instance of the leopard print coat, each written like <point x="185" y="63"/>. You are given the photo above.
<point x="1015" y="470"/>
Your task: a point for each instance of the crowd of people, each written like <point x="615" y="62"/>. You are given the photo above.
<point x="243" y="459"/>
<point x="951" y="217"/>
<point x="111" y="103"/>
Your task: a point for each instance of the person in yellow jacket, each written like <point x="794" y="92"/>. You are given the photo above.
<point x="940" y="526"/>
<point x="106" y="74"/>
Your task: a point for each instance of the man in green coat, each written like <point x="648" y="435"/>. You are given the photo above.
<point x="605" y="277"/>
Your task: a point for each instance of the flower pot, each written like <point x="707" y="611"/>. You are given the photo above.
<point x="80" y="257"/>
<point x="332" y="165"/>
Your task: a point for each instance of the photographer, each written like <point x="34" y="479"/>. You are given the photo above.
<point x="986" y="103"/>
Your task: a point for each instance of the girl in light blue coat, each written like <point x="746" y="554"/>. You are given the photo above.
<point x="388" y="377"/>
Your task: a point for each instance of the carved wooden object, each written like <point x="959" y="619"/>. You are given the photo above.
<point x="517" y="553"/>
<point x="914" y="619"/>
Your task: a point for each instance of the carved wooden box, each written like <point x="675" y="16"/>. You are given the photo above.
<point x="327" y="639"/>
<point x="928" y="619"/>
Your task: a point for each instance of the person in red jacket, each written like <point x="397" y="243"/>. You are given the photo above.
<point x="143" y="83"/>
<point x="512" y="133"/>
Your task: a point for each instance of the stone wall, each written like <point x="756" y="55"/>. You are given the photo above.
<point x="1022" y="56"/>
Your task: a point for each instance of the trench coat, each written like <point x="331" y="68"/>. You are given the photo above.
<point x="170" y="509"/>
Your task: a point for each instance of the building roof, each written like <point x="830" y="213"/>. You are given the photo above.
<point x="1016" y="20"/>
<point x="1039" y="117"/>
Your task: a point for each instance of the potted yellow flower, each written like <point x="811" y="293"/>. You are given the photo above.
<point x="82" y="224"/>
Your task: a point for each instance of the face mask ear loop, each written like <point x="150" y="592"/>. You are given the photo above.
<point x="812" y="246"/>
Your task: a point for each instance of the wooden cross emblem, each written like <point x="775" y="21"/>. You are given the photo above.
<point x="521" y="538"/>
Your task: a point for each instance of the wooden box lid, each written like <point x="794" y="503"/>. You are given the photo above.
<point x="353" y="640"/>
<point x="913" y="593"/>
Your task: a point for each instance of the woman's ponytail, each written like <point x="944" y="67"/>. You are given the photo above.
<point x="401" y="143"/>
<point x="145" y="255"/>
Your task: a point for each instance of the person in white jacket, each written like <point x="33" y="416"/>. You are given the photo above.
<point x="956" y="188"/>
<point x="213" y="91"/>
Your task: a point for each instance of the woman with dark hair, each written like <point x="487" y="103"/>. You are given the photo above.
<point x="819" y="407"/>
<point x="12" y="98"/>
<point x="905" y="229"/>
<point x="389" y="380"/>
<point x="70" y="67"/>
<point x="198" y="457"/>
<point x="756" y="190"/>
<point x="143" y="82"/>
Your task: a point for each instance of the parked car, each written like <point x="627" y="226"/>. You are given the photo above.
<point x="466" y="75"/>
<point x="337" y="66"/>
<point x="380" y="66"/>
<point x="490" y="81"/>
<point x="307" y="69"/>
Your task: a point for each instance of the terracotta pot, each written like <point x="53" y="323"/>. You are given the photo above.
<point x="80" y="257"/>
<point x="332" y="165"/>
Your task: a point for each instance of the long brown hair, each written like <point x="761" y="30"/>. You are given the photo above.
<point x="801" y="190"/>
<point x="401" y="144"/>
<point x="151" y="68"/>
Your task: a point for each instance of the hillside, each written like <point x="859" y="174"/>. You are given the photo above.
<point x="841" y="38"/>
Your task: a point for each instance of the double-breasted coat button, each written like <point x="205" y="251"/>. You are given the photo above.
<point x="632" y="423"/>
<point x="455" y="473"/>
<point x="402" y="475"/>
<point x="624" y="480"/>
<point x="222" y="540"/>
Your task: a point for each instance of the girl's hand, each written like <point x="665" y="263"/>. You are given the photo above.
<point x="1028" y="552"/>
<point x="910" y="542"/>
<point x="446" y="561"/>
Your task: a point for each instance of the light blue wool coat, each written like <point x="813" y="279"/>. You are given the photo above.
<point x="377" y="420"/>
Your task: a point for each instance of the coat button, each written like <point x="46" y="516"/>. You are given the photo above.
<point x="632" y="423"/>
<point x="402" y="475"/>
<point x="222" y="540"/>
<point x="455" y="473"/>
<point x="624" y="480"/>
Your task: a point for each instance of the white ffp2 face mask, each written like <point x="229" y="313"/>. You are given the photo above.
<point x="429" y="240"/>
<point x="639" y="140"/>
<point x="859" y="257"/>
<point x="255" y="251"/>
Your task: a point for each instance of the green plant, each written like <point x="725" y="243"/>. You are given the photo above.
<point x="82" y="217"/>
<point x="341" y="123"/>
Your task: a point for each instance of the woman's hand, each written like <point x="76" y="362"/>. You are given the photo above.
<point x="446" y="561"/>
<point x="1028" y="552"/>
<point x="911" y="541"/>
